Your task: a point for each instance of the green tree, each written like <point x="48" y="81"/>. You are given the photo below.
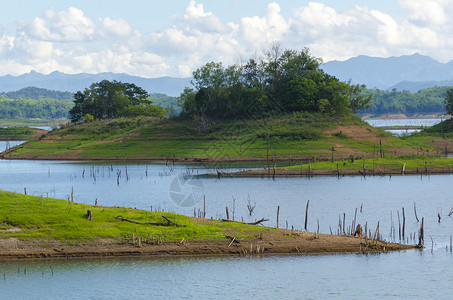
<point x="288" y="81"/>
<point x="111" y="99"/>
<point x="449" y="101"/>
<point x="357" y="99"/>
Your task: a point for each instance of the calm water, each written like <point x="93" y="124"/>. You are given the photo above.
<point x="9" y="144"/>
<point x="409" y="274"/>
<point x="402" y="122"/>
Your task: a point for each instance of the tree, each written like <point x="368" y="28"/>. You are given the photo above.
<point x="279" y="81"/>
<point x="111" y="99"/>
<point x="449" y="101"/>
<point x="357" y="99"/>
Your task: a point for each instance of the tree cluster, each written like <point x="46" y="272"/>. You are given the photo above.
<point x="448" y="101"/>
<point x="282" y="81"/>
<point x="33" y="92"/>
<point x="113" y="99"/>
<point x="424" y="101"/>
<point x="171" y="104"/>
<point x="29" y="108"/>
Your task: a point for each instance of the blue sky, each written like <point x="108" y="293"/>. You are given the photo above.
<point x="172" y="38"/>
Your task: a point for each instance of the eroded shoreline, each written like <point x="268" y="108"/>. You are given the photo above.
<point x="268" y="243"/>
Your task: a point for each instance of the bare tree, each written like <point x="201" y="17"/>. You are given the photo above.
<point x="250" y="207"/>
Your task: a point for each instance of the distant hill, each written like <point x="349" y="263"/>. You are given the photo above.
<point x="415" y="86"/>
<point x="408" y="72"/>
<point x="33" y="92"/>
<point x="76" y="82"/>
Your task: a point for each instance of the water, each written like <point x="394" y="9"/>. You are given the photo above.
<point x="403" y="122"/>
<point x="4" y="145"/>
<point x="48" y="128"/>
<point x="408" y="274"/>
<point x="402" y="132"/>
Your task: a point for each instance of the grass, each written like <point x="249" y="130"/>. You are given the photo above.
<point x="30" y="122"/>
<point x="15" y="133"/>
<point x="392" y="162"/>
<point x="288" y="136"/>
<point x="31" y="218"/>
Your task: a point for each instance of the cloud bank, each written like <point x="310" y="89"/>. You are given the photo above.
<point x="71" y="42"/>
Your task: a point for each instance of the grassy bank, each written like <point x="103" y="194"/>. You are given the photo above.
<point x="39" y="227"/>
<point x="390" y="163"/>
<point x="48" y="220"/>
<point x="289" y="137"/>
<point x="31" y="122"/>
<point x="19" y="133"/>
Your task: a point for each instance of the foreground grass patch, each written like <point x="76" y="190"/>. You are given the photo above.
<point x="47" y="219"/>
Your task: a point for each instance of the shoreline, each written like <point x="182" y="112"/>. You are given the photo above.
<point x="282" y="242"/>
<point x="279" y="172"/>
<point x="339" y="173"/>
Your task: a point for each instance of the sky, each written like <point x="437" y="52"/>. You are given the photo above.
<point x="151" y="38"/>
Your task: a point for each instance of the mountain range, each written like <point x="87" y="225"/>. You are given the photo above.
<point x="59" y="81"/>
<point x="408" y="72"/>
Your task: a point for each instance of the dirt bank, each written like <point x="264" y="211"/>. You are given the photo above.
<point x="275" y="242"/>
<point x="366" y="172"/>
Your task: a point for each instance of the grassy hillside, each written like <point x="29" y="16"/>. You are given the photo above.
<point x="288" y="137"/>
<point x="19" y="133"/>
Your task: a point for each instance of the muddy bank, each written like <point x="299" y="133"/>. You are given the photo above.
<point x="277" y="242"/>
<point x="339" y="173"/>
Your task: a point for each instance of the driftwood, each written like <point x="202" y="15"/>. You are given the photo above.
<point x="252" y="223"/>
<point x="232" y="239"/>
<point x="168" y="223"/>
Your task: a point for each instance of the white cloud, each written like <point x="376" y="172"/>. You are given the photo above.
<point x="427" y="12"/>
<point x="71" y="42"/>
<point x="63" y="26"/>
<point x="257" y="31"/>
<point x="116" y="28"/>
<point x="195" y="18"/>
<point x="321" y="16"/>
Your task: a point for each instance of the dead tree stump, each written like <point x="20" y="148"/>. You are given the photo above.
<point x="358" y="231"/>
<point x="89" y="215"/>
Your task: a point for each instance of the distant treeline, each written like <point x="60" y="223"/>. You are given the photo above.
<point x="33" y="102"/>
<point x="425" y="101"/>
<point x="171" y="104"/>
<point x="30" y="108"/>
<point x="32" y="92"/>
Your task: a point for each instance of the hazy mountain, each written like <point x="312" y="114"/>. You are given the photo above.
<point x="77" y="82"/>
<point x="405" y="72"/>
<point x="415" y="86"/>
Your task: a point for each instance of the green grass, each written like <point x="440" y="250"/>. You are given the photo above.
<point x="42" y="219"/>
<point x="392" y="162"/>
<point x="13" y="133"/>
<point x="293" y="135"/>
<point x="30" y="122"/>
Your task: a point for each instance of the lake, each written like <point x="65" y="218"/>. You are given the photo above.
<point x="402" y="123"/>
<point x="407" y="274"/>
